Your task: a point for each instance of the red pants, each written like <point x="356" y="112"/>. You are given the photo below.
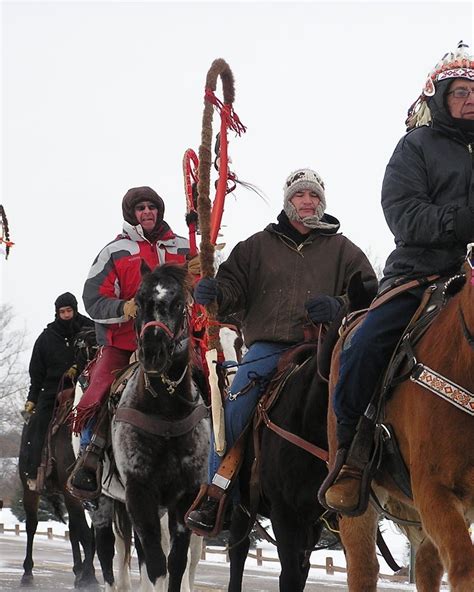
<point x="101" y="378"/>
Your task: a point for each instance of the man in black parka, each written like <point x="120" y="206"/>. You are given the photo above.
<point x="52" y="357"/>
<point x="428" y="202"/>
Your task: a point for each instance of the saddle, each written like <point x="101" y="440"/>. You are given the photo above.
<point x="92" y="458"/>
<point x="62" y="409"/>
<point x="375" y="446"/>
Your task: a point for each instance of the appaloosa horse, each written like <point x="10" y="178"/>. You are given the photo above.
<point x="434" y="426"/>
<point x="289" y="476"/>
<point x="160" y="432"/>
<point x="80" y="533"/>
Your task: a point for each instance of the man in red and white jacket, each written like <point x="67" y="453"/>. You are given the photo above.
<point x="108" y="296"/>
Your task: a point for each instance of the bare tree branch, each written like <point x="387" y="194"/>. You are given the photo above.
<point x="13" y="375"/>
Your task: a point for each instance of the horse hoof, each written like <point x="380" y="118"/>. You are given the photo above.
<point x="89" y="584"/>
<point x="27" y="580"/>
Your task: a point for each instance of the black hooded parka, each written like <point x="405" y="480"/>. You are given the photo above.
<point x="427" y="181"/>
<point x="53" y="354"/>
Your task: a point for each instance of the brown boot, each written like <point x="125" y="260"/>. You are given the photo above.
<point x="344" y="495"/>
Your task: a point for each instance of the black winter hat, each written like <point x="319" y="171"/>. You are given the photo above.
<point x="135" y="196"/>
<point x="66" y="299"/>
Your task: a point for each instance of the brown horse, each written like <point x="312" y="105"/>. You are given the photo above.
<point x="436" y="439"/>
<point x="80" y="533"/>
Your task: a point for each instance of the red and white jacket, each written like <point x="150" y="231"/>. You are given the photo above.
<point x="115" y="277"/>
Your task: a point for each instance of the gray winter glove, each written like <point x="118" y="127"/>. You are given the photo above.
<point x="322" y="308"/>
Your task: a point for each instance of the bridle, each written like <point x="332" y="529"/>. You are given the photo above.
<point x="175" y="338"/>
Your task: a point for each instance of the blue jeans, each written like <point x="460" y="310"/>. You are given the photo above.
<point x="365" y="359"/>
<point x="86" y="433"/>
<point x="237" y="411"/>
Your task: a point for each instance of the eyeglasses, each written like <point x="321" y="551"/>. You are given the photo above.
<point x="461" y="93"/>
<point x="142" y="207"/>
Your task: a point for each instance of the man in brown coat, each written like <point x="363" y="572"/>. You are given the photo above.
<point x="297" y="267"/>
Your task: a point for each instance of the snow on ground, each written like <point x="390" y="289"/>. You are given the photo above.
<point x="396" y="542"/>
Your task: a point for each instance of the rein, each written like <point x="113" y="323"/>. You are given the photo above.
<point x="467" y="334"/>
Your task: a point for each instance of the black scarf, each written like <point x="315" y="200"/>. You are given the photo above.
<point x="286" y="228"/>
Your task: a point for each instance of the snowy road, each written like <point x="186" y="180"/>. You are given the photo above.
<point x="53" y="571"/>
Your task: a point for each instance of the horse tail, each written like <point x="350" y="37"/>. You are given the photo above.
<point x="123" y="527"/>
<point x="57" y="504"/>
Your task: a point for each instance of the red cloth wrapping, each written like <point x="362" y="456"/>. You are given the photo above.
<point x="101" y="378"/>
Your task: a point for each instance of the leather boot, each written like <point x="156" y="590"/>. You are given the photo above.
<point x="84" y="479"/>
<point x="344" y="495"/>
<point x="205" y="517"/>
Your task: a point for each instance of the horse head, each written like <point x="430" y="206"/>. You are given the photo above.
<point x="85" y="347"/>
<point x="161" y="324"/>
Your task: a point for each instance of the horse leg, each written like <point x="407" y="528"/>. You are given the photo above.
<point x="290" y="546"/>
<point x="238" y="552"/>
<point x="358" y="537"/>
<point x="30" y="505"/>
<point x="145" y="584"/>
<point x="194" y="556"/>
<point x="443" y="520"/>
<point x="428" y="567"/>
<point x="178" y="556"/>
<point x="105" y="541"/>
<point x="81" y="533"/>
<point x="142" y="507"/>
<point x="165" y="543"/>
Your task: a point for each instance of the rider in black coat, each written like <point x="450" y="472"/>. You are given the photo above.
<point x="52" y="357"/>
<point x="428" y="202"/>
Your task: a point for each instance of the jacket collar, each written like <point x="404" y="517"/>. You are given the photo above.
<point x="135" y="233"/>
<point x="285" y="228"/>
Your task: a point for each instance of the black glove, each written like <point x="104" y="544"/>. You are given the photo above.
<point x="464" y="225"/>
<point x="322" y="308"/>
<point x="206" y="291"/>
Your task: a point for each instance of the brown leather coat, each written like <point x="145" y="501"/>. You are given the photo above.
<point x="268" y="278"/>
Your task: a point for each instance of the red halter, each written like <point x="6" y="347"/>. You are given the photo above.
<point x="159" y="324"/>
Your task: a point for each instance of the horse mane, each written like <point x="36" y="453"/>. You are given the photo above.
<point x="174" y="271"/>
<point x="359" y="297"/>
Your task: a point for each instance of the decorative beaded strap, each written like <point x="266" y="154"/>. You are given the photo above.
<point x="441" y="386"/>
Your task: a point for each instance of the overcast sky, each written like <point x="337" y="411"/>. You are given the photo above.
<point x="101" y="97"/>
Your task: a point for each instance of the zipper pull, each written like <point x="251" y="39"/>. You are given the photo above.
<point x="469" y="147"/>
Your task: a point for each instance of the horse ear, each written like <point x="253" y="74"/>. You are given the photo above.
<point x="144" y="269"/>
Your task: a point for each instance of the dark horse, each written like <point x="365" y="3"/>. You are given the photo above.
<point x="435" y="433"/>
<point x="160" y="432"/>
<point x="289" y="476"/>
<point x="80" y="533"/>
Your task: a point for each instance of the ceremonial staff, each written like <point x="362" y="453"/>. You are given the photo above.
<point x="210" y="215"/>
<point x="5" y="232"/>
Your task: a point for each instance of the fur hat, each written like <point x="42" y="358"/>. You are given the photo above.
<point x="459" y="64"/>
<point x="66" y="299"/>
<point x="135" y="196"/>
<point x="300" y="180"/>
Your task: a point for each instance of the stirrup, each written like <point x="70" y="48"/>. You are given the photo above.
<point x="221" y="497"/>
<point x="83" y="494"/>
<point x="364" y="491"/>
